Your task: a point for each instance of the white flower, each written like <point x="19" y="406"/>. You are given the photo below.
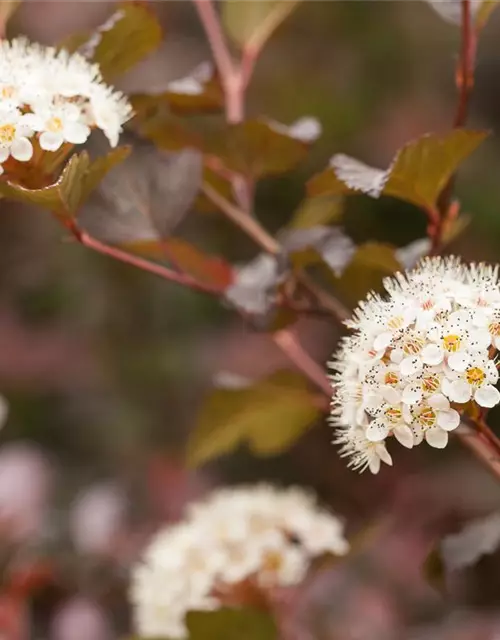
<point x="477" y="382"/>
<point x="14" y="136"/>
<point x="58" y="124"/>
<point x="60" y="95"/>
<point x="431" y="342"/>
<point x="253" y="535"/>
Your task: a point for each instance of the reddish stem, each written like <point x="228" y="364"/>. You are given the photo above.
<point x="151" y="267"/>
<point x="289" y="344"/>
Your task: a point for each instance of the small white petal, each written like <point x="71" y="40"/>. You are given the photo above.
<point x="439" y="401"/>
<point x="418" y="433"/>
<point x="21" y="149"/>
<point x="390" y="394"/>
<point x="383" y="454"/>
<point x="397" y="355"/>
<point x="487" y="396"/>
<point x="1" y="169"/>
<point x="76" y="132"/>
<point x="436" y="437"/>
<point x="4" y="154"/>
<point x="458" y="361"/>
<point x="404" y="435"/>
<point x="432" y="354"/>
<point x="410" y="366"/>
<point x="50" y="141"/>
<point x="374" y="464"/>
<point x="459" y="391"/>
<point x="382" y="341"/>
<point x="412" y="394"/>
<point x="448" y="420"/>
<point x="377" y="431"/>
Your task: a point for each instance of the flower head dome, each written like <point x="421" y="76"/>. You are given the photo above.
<point x="54" y="96"/>
<point x="250" y="537"/>
<point x="415" y="358"/>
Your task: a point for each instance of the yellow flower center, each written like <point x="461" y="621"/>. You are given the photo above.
<point x="7" y="92"/>
<point x="7" y="133"/>
<point x="393" y="415"/>
<point x="273" y="561"/>
<point x="427" y="417"/>
<point x="396" y="322"/>
<point x="391" y="378"/>
<point x="430" y="384"/>
<point x="475" y="376"/>
<point x="54" y="124"/>
<point x="452" y="343"/>
<point x="494" y="328"/>
<point x="413" y="345"/>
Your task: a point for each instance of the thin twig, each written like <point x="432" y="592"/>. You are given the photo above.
<point x="163" y="272"/>
<point x="289" y="344"/>
<point x="465" y="82"/>
<point x="242" y="220"/>
<point x="229" y="73"/>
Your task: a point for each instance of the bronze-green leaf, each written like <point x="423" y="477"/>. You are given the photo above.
<point x="231" y="624"/>
<point x="371" y="263"/>
<point x="316" y="211"/>
<point x="60" y="196"/>
<point x="131" y="33"/>
<point x="7" y="8"/>
<point x="484" y="12"/>
<point x="99" y="169"/>
<point x="250" y="23"/>
<point x="269" y="416"/>
<point x="418" y="173"/>
<point x="255" y="148"/>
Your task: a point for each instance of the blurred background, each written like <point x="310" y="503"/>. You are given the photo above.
<point x="104" y="368"/>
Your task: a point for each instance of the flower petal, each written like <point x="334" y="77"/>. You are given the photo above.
<point x="432" y="354"/>
<point x="382" y="341"/>
<point x="4" y="153"/>
<point x="458" y="361"/>
<point x="487" y="396"/>
<point x="377" y="431"/>
<point x="439" y="401"/>
<point x="51" y="141"/>
<point x="448" y="420"/>
<point x="383" y="454"/>
<point x="412" y="394"/>
<point x="410" y="366"/>
<point x="374" y="463"/>
<point x="390" y="394"/>
<point x="436" y="437"/>
<point x="76" y="132"/>
<point x="21" y="149"/>
<point x="404" y="436"/>
<point x="459" y="391"/>
<point x="418" y="433"/>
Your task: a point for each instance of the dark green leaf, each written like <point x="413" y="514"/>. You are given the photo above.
<point x="269" y="415"/>
<point x="418" y="173"/>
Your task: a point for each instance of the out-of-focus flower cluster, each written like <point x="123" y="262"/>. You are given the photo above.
<point x="55" y="96"/>
<point x="416" y="359"/>
<point x="255" y="537"/>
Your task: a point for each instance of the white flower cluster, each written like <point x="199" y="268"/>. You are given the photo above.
<point x="55" y="96"/>
<point x="416" y="358"/>
<point x="258" y="536"/>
